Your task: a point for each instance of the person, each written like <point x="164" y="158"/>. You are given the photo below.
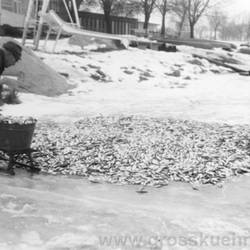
<point x="10" y="54"/>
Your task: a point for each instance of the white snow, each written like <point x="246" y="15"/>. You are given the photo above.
<point x="140" y="82"/>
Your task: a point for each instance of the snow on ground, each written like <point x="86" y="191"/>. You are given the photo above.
<point x="140" y="82"/>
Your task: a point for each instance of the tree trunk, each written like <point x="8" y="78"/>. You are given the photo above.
<point x="192" y="30"/>
<point x="215" y="34"/>
<point x="163" y="25"/>
<point x="180" y="27"/>
<point x="181" y="24"/>
<point x="108" y="22"/>
<point x="146" y="22"/>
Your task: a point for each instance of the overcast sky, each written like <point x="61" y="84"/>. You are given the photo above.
<point x="236" y="7"/>
<point x="239" y="9"/>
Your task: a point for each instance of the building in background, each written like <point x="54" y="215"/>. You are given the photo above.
<point x="153" y="28"/>
<point x="92" y="18"/>
<point x="96" y="22"/>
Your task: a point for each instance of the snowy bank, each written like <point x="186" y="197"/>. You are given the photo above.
<point x="141" y="82"/>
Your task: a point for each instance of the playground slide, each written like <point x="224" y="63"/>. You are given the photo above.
<point x="57" y="23"/>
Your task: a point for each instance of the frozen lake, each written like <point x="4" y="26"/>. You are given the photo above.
<point x="45" y="212"/>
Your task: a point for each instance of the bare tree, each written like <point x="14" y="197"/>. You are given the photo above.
<point x="127" y="8"/>
<point x="202" y="31"/>
<point x="196" y="9"/>
<point x="180" y="8"/>
<point x="233" y="31"/>
<point x="248" y="31"/>
<point x="108" y="6"/>
<point x="216" y="18"/>
<point x="163" y="7"/>
<point x="147" y="7"/>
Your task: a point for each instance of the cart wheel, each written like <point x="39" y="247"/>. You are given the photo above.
<point x="32" y="167"/>
<point x="10" y="169"/>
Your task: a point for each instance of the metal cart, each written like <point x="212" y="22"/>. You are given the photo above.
<point x="15" y="140"/>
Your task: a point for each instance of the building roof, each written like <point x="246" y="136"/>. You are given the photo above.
<point x="86" y="13"/>
<point x="92" y="9"/>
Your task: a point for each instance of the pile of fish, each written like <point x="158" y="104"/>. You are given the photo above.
<point x="20" y="120"/>
<point x="146" y="151"/>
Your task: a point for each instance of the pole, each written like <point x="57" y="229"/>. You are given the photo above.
<point x="40" y="25"/>
<point x="26" y="21"/>
<point x="76" y="13"/>
<point x="47" y="37"/>
<point x="68" y="12"/>
<point x="57" y="38"/>
<point x="35" y="17"/>
<point x="0" y="12"/>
